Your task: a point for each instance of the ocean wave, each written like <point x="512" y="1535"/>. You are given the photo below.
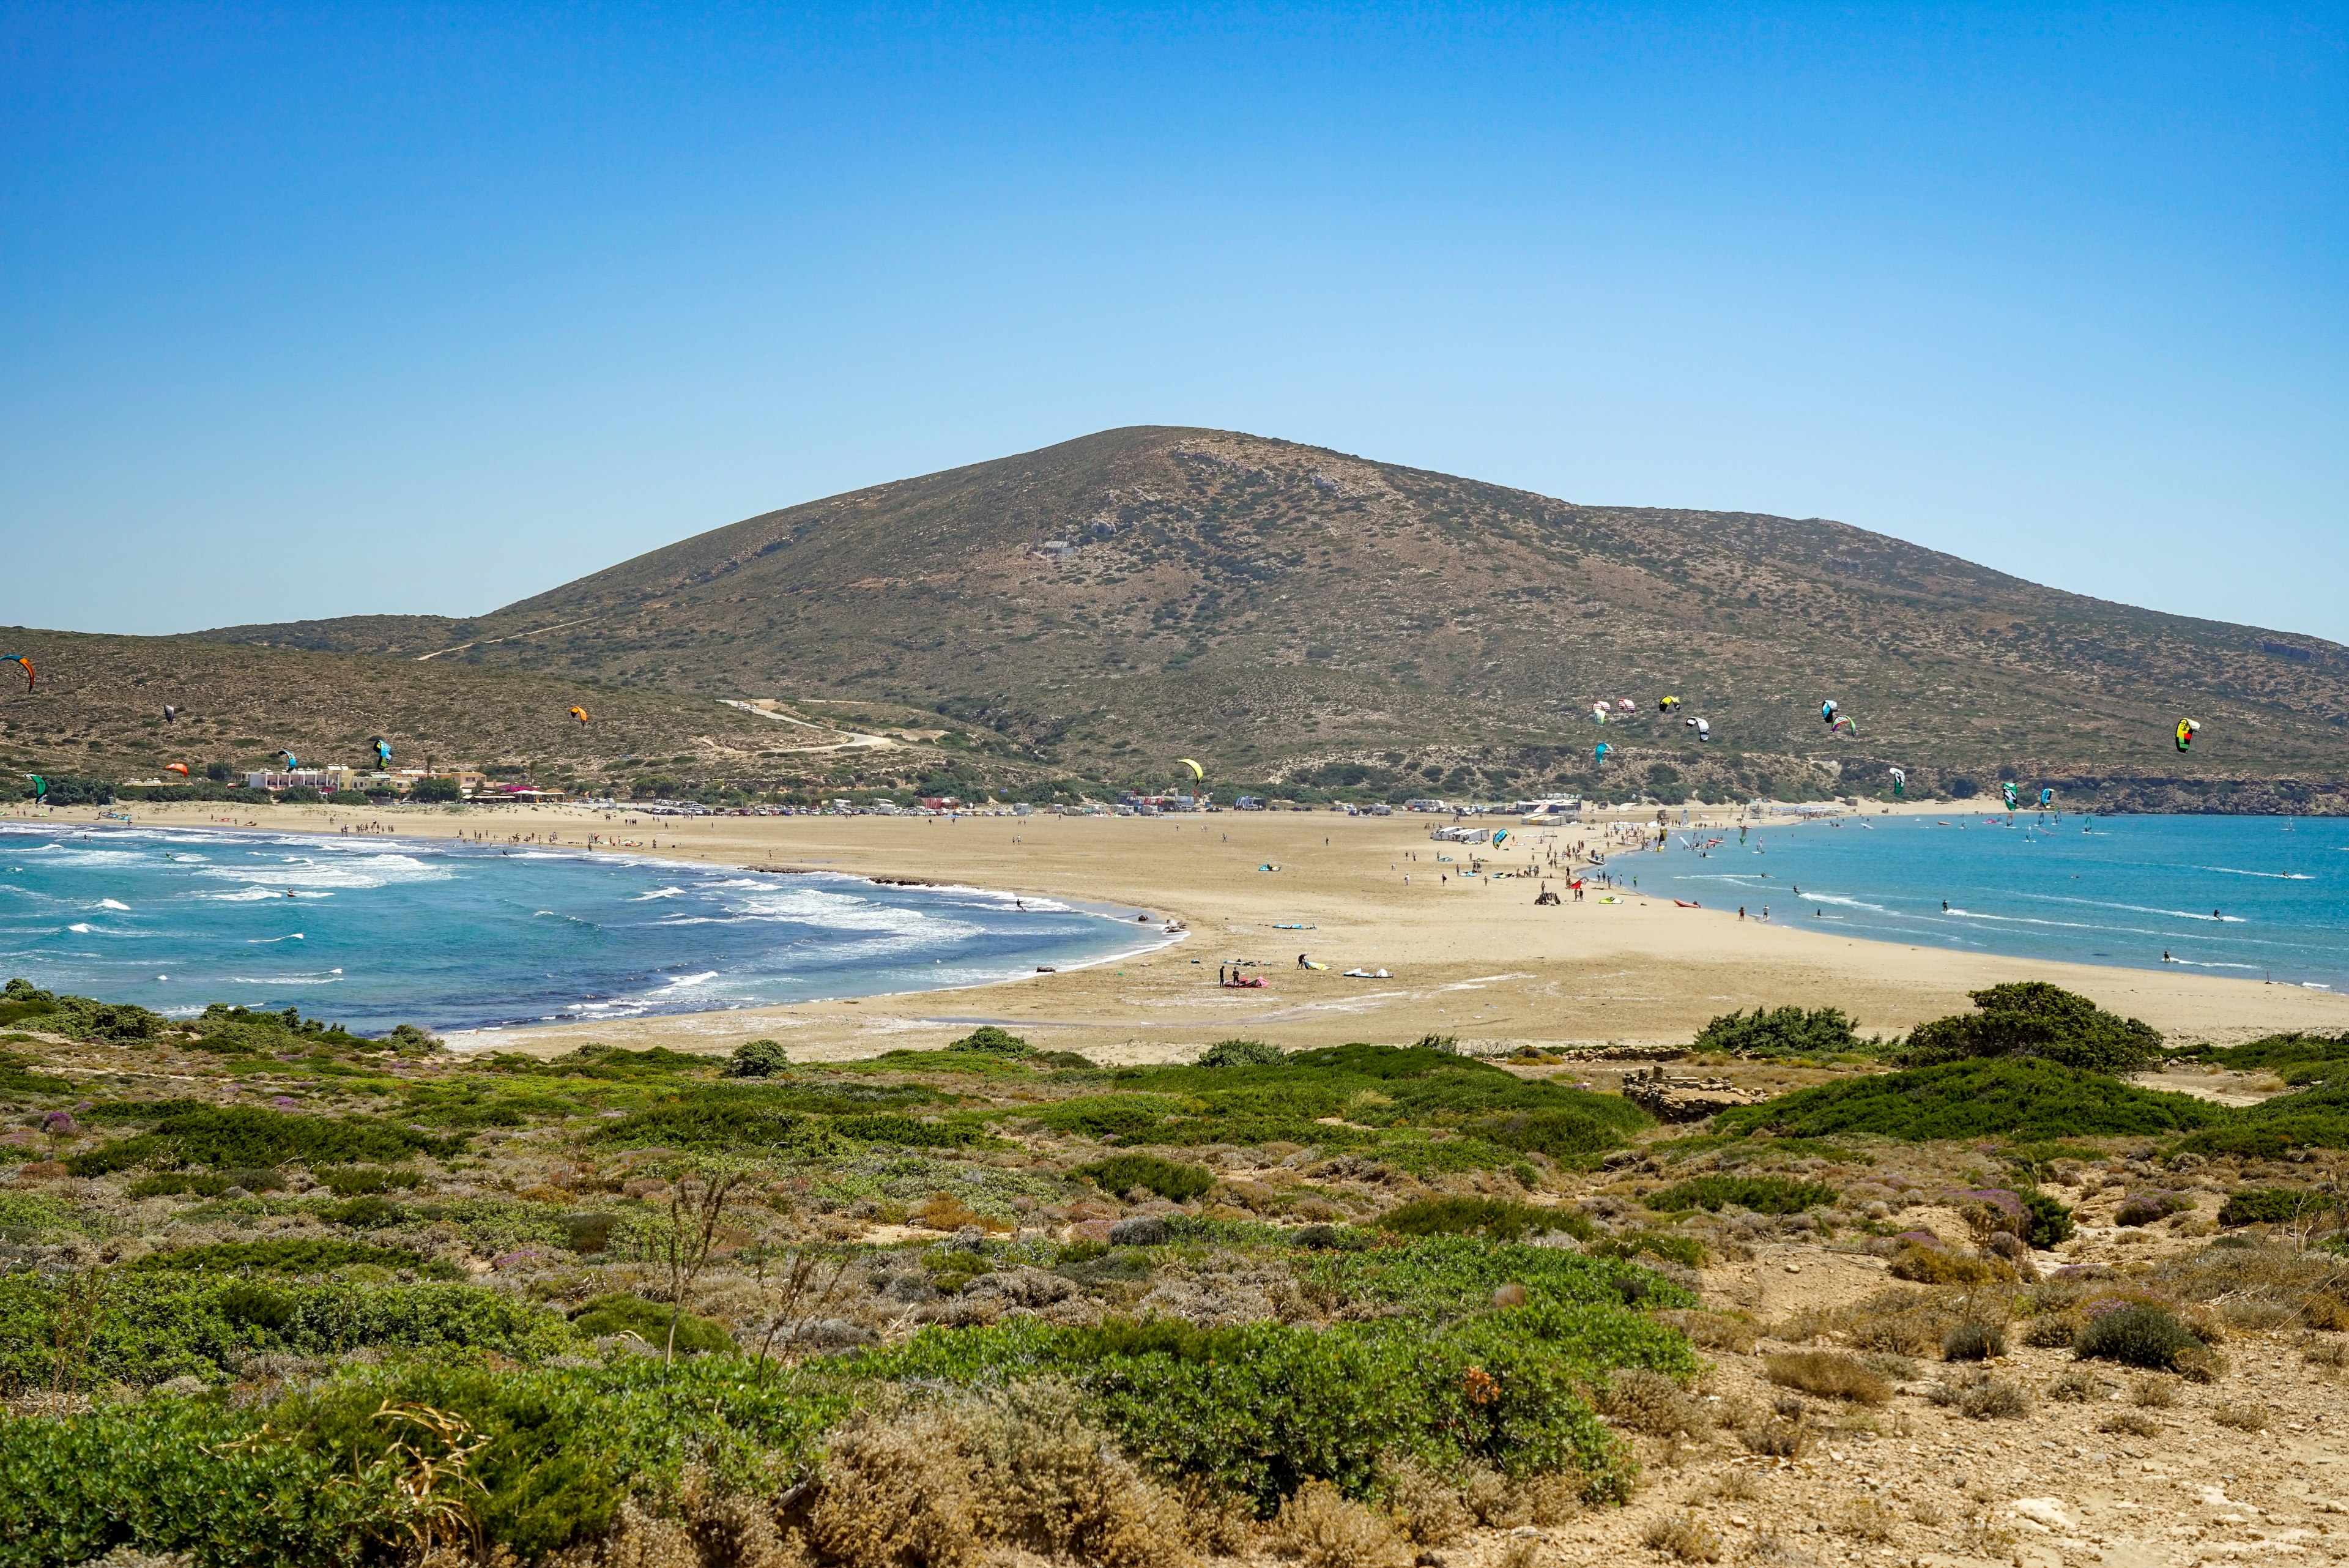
<point x="328" y="977"/>
<point x="2274" y="876"/>
<point x="2198" y="963"/>
<point x="658" y="893"/>
<point x="375" y="871"/>
<point x="111" y="904"/>
<point x="265" y="941"/>
<point x="2135" y="908"/>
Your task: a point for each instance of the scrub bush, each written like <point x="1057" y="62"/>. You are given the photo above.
<point x="1784" y="1032"/>
<point x="2142" y="1336"/>
<point x="757" y="1059"/>
<point x="621" y="1312"/>
<point x="1498" y="1217"/>
<point x="986" y="1039"/>
<point x="2316" y="1117"/>
<point x="1829" y="1375"/>
<point x="1241" y="1054"/>
<point x="1974" y="1342"/>
<point x="2023" y="1100"/>
<point x="221" y="1135"/>
<point x="1762" y="1194"/>
<point x="1122" y="1173"/>
<point x="2034" y="1018"/>
<point x="287" y="1257"/>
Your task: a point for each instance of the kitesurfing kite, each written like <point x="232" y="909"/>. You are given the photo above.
<point x="382" y="752"/>
<point x="1625" y="705"/>
<point x="1600" y="754"/>
<point x="27" y="663"/>
<point x="1843" y="725"/>
<point x="2007" y="789"/>
<point x="40" y="786"/>
<point x="293" y="763"/>
<point x="179" y="768"/>
<point x="580" y="714"/>
<point x="1703" y="730"/>
<point x="1598" y="711"/>
<point x="171" y="715"/>
<point x="2046" y="798"/>
<point x="1899" y="780"/>
<point x="1196" y="770"/>
<point x="1666" y="705"/>
<point x="1826" y="711"/>
<point x="2187" y="730"/>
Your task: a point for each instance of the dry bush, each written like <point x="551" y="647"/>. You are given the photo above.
<point x="945" y="1211"/>
<point x="1778" y="1440"/>
<point x="1736" y="1485"/>
<point x="1518" y="1554"/>
<point x="1928" y="1513"/>
<point x="2136" y="1423"/>
<point x="1652" y="1403"/>
<point x="1684" y="1536"/>
<point x="1899" y="1368"/>
<point x="1426" y="1508"/>
<point x="1974" y="1342"/>
<point x="2051" y="1331"/>
<point x="2076" y="1384"/>
<point x="1937" y="1266"/>
<point x="935" y="1485"/>
<point x="1218" y="1524"/>
<point x="2153" y="1393"/>
<point x="2244" y="1417"/>
<point x="1902" y="1322"/>
<point x="897" y="1493"/>
<point x="1713" y="1331"/>
<point x="2324" y="1352"/>
<point x="1551" y="1498"/>
<point x="1736" y="1412"/>
<point x="1983" y="1397"/>
<point x="2326" y="1310"/>
<point x="1790" y="1407"/>
<point x="1320" y="1529"/>
<point x="1490" y="1498"/>
<point x="1868" y="1520"/>
<point x="2259" y="1286"/>
<point x="1824" y="1373"/>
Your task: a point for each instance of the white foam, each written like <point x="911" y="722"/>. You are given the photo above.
<point x="658" y="893"/>
<point x="111" y="904"/>
<point x="297" y="871"/>
<point x="2277" y="875"/>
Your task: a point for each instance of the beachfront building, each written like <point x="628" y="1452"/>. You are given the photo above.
<point x="325" y="781"/>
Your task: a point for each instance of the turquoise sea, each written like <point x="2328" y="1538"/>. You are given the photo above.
<point x="2257" y="897"/>
<point x="372" y="931"/>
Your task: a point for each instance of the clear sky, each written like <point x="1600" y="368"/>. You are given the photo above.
<point x="343" y="308"/>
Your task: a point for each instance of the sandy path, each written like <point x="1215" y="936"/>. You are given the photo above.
<point x="1478" y="959"/>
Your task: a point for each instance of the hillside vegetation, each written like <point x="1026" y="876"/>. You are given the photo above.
<point x="1288" y="613"/>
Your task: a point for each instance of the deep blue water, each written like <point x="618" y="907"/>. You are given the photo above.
<point x="375" y="931"/>
<point x="2251" y="897"/>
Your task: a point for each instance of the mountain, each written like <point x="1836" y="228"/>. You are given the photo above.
<point x="1285" y="612"/>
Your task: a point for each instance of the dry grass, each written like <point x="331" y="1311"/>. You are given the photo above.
<point x="2050" y="1331"/>
<point x="1651" y="1403"/>
<point x="2153" y="1393"/>
<point x="1928" y="1514"/>
<point x="1683" y="1536"/>
<point x="2317" y="1352"/>
<point x="1984" y="1397"/>
<point x="2245" y="1416"/>
<point x="1831" y="1375"/>
<point x="1901" y="1322"/>
<point x="2136" y="1423"/>
<point x="1320" y="1529"/>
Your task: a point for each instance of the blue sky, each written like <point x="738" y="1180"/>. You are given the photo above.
<point x="338" y="309"/>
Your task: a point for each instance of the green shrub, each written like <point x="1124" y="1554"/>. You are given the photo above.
<point x="720" y="1116"/>
<point x="221" y="1135"/>
<point x="757" y="1059"/>
<point x="152" y="1326"/>
<point x="1124" y="1172"/>
<point x="2308" y="1118"/>
<point x="2017" y="1099"/>
<point x="16" y="1080"/>
<point x="621" y="1312"/>
<point x="1783" y="1032"/>
<point x="1561" y="1134"/>
<point x="1498" y="1217"/>
<point x="436" y="791"/>
<point x="911" y="1132"/>
<point x="2276" y="1051"/>
<point x="986" y="1039"/>
<point x="1685" y="1251"/>
<point x="1762" y="1194"/>
<point x="2036" y="1019"/>
<point x="354" y="1181"/>
<point x="2275" y="1206"/>
<point x="2140" y="1335"/>
<point x="1241" y="1054"/>
<point x="307" y="1256"/>
<point x="2050" y="1223"/>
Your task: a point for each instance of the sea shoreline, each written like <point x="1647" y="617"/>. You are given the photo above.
<point x="1473" y="961"/>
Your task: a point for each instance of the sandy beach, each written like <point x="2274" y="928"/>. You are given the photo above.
<point x="1476" y="959"/>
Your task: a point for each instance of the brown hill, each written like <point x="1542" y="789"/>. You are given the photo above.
<point x="1276" y="611"/>
<point x="98" y="711"/>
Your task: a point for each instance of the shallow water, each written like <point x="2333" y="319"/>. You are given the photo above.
<point x="2251" y="897"/>
<point x="372" y="931"/>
